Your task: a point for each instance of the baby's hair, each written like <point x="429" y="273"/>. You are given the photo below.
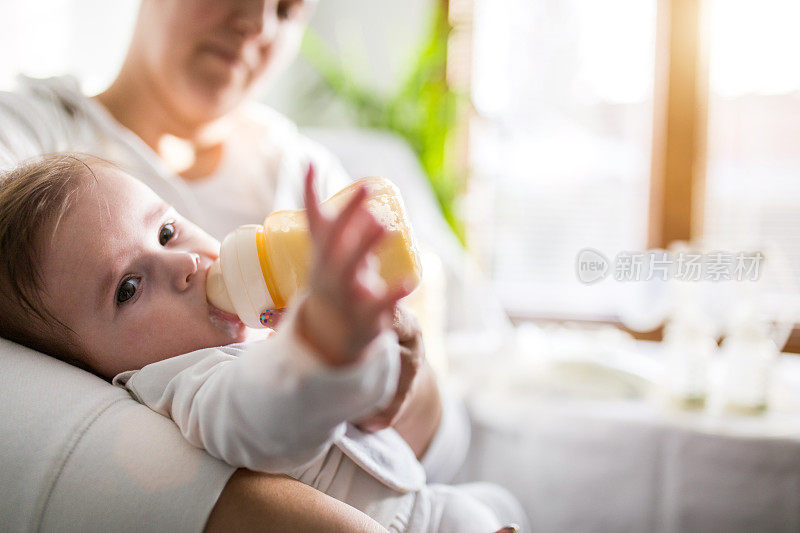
<point x="34" y="197"/>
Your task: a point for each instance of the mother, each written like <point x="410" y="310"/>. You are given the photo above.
<point x="176" y="118"/>
<point x="176" y="114"/>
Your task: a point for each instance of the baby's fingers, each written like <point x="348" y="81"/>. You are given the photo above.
<point x="342" y="223"/>
<point x="370" y="238"/>
<point x="315" y="218"/>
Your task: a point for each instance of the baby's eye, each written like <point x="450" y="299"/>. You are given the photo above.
<point x="127" y="290"/>
<point x="166" y="232"/>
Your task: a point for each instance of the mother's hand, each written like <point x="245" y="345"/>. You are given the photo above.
<point x="412" y="357"/>
<point x="416" y="410"/>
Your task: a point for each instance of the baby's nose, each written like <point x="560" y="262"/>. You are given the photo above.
<point x="186" y="266"/>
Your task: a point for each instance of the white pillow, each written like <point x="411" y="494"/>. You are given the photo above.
<point x="79" y="454"/>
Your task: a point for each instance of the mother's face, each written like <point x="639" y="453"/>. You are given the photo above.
<point x="203" y="56"/>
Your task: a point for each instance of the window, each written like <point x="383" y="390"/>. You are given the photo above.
<point x="628" y="124"/>
<point x="752" y="198"/>
<point x="560" y="150"/>
<point x="86" y="38"/>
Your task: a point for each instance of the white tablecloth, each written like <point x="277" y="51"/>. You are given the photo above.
<point x="631" y="465"/>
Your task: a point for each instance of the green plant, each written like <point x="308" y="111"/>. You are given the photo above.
<point x="424" y="110"/>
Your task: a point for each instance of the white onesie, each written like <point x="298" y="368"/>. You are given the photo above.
<point x="271" y="406"/>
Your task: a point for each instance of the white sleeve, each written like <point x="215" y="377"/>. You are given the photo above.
<point x="274" y="408"/>
<point x="23" y="130"/>
<point x="32" y="125"/>
<point x="331" y="175"/>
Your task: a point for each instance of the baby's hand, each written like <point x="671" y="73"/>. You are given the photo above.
<point x="345" y="308"/>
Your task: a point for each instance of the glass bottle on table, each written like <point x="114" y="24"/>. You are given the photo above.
<point x="749" y="357"/>
<point x="690" y="344"/>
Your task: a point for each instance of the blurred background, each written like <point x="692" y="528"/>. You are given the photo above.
<point x="555" y="128"/>
<point x="546" y="127"/>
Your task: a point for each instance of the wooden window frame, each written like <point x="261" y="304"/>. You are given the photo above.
<point x="680" y="107"/>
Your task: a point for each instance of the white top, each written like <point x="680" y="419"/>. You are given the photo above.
<point x="271" y="406"/>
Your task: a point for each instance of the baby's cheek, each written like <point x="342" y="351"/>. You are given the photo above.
<point x="168" y="329"/>
<point x="172" y="333"/>
<point x="145" y="339"/>
<point x="141" y="346"/>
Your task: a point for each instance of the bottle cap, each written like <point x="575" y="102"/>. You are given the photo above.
<point x="241" y="270"/>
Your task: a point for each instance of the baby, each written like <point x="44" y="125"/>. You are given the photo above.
<point x="97" y="270"/>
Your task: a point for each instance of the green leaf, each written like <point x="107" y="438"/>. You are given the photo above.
<point x="423" y="110"/>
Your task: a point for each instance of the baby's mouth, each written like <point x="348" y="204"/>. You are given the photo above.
<point x="227" y="322"/>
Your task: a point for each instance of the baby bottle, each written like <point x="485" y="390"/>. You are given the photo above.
<point x="261" y="267"/>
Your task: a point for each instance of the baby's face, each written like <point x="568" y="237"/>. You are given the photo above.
<point x="127" y="274"/>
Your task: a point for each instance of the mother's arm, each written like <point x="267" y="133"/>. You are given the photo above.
<point x="251" y="501"/>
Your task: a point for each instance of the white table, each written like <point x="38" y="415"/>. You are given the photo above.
<point x="632" y="465"/>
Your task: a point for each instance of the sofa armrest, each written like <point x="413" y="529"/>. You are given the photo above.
<point x="80" y="454"/>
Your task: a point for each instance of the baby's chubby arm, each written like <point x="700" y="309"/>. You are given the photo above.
<point x="275" y="407"/>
